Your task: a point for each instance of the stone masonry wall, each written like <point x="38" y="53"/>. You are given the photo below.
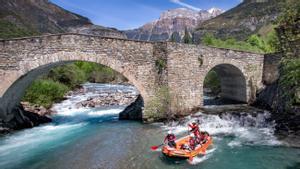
<point x="181" y="67"/>
<point x="189" y="64"/>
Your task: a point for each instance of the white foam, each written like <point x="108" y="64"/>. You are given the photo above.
<point x="31" y="138"/>
<point x="68" y="107"/>
<point x="245" y="128"/>
<point x="105" y="112"/>
<point x="200" y="158"/>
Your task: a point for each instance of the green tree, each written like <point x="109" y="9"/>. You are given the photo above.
<point x="69" y="74"/>
<point x="173" y="37"/>
<point x="212" y="82"/>
<point x="291" y="13"/>
<point x="208" y="39"/>
<point x="187" y="37"/>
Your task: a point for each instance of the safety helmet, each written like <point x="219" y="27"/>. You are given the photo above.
<point x="169" y="132"/>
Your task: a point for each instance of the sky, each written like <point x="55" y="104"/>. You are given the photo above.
<point x="130" y="14"/>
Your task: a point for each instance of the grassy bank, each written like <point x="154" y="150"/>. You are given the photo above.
<point x="52" y="87"/>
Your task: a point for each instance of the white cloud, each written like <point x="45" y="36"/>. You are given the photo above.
<point x="179" y="2"/>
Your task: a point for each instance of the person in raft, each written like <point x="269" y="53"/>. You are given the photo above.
<point x="171" y="139"/>
<point x="195" y="130"/>
<point x="192" y="142"/>
<point x="204" y="137"/>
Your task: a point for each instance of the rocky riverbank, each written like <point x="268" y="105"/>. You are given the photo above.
<point x="40" y="110"/>
<point x="118" y="98"/>
<point x="98" y="99"/>
<point x="23" y="119"/>
<point x="287" y="117"/>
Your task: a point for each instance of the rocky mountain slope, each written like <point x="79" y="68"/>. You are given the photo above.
<point x="34" y="17"/>
<point x="173" y="21"/>
<point x="251" y="16"/>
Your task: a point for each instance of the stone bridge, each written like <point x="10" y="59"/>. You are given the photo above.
<point x="147" y="65"/>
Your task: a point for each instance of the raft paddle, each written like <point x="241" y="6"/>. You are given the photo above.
<point x="155" y="147"/>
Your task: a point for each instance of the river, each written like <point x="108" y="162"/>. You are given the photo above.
<point x="82" y="138"/>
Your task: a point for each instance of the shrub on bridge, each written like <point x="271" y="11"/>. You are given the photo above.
<point x="44" y="92"/>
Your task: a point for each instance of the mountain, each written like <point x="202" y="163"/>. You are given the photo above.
<point x="35" y="17"/>
<point x="173" y="21"/>
<point x="249" y="17"/>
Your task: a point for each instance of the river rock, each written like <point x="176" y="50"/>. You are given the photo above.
<point x="109" y="99"/>
<point x="22" y="119"/>
<point x="40" y="110"/>
<point x="134" y="111"/>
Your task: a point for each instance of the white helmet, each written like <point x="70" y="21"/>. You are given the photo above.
<point x="194" y="122"/>
<point x="169" y="132"/>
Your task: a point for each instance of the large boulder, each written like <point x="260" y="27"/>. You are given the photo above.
<point x="134" y="111"/>
<point x="23" y="119"/>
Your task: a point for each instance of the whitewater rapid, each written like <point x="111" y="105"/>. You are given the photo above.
<point x="244" y="129"/>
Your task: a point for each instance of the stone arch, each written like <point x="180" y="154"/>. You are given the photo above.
<point x="233" y="81"/>
<point x="17" y="81"/>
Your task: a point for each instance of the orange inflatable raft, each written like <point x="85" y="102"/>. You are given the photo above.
<point x="182" y="153"/>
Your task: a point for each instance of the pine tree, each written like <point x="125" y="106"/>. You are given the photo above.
<point x="187" y="38"/>
<point x="173" y="37"/>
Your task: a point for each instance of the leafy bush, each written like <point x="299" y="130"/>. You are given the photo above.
<point x="70" y="75"/>
<point x="291" y="12"/>
<point x="290" y="79"/>
<point x="44" y="92"/>
<point x="160" y="65"/>
<point x="254" y="43"/>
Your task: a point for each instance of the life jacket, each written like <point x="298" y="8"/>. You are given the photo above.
<point x="192" y="143"/>
<point x="170" y="137"/>
<point x="203" y="136"/>
<point x="195" y="129"/>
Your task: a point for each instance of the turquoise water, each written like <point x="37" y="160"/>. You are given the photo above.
<point x="95" y="138"/>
